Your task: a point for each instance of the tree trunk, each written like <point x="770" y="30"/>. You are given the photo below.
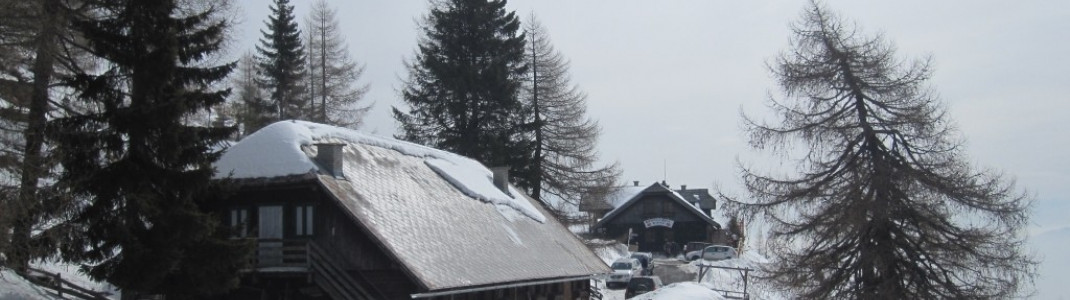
<point x="536" y="185"/>
<point x="32" y="164"/>
<point x="323" y="74"/>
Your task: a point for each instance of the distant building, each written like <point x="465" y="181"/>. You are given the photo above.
<point x="655" y="215"/>
<point x="341" y="215"/>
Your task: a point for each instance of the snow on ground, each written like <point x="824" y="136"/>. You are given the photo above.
<point x="276" y="150"/>
<point x="608" y="251"/>
<point x="732" y="280"/>
<point x="720" y="279"/>
<point x="13" y="286"/>
<point x="682" y="291"/>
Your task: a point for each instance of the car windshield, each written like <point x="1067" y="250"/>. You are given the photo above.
<point x="622" y="266"/>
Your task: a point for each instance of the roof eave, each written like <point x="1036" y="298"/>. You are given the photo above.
<point x="506" y="285"/>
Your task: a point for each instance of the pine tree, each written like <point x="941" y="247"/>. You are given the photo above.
<point x="282" y="64"/>
<point x="145" y="176"/>
<point x="885" y="207"/>
<point x="463" y="86"/>
<point x="333" y="74"/>
<point x="565" y="138"/>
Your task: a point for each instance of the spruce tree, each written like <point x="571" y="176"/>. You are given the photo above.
<point x="281" y="57"/>
<point x="566" y="139"/>
<point x="885" y="206"/>
<point x="146" y="177"/>
<point x="463" y="86"/>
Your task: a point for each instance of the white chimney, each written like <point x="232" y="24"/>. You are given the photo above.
<point x="329" y="156"/>
<point x="501" y="179"/>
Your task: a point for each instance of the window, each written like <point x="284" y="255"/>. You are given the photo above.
<point x="668" y="210"/>
<point x="303" y="218"/>
<point x="239" y="221"/>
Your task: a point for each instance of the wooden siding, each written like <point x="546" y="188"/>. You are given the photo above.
<point x="687" y="226"/>
<point x="346" y="241"/>
<point x="656" y="206"/>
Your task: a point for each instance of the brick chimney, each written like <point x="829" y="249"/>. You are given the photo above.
<point x="329" y="156"/>
<point x="635" y="183"/>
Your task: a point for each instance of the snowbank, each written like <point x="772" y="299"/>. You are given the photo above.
<point x="732" y="280"/>
<point x="682" y="291"/>
<point x="276" y="150"/>
<point x="13" y="286"/>
<point x="608" y="251"/>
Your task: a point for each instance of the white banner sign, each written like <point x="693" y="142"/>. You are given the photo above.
<point x="658" y="222"/>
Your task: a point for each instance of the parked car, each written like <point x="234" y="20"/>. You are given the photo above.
<point x="696" y="246"/>
<point x="623" y="271"/>
<point x="644" y="259"/>
<point x="693" y="250"/>
<point x="642" y="284"/>
<point x="718" y="252"/>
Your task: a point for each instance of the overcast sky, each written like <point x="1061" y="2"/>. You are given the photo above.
<point x="667" y="80"/>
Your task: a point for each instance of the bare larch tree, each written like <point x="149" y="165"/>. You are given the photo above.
<point x="884" y="207"/>
<point x="566" y="139"/>
<point x="249" y="103"/>
<point x="36" y="49"/>
<point x="335" y="93"/>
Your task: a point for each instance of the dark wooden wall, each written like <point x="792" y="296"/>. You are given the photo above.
<point x="687" y="226"/>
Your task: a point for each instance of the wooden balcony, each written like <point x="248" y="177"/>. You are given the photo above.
<point x="304" y="256"/>
<point x="281" y="255"/>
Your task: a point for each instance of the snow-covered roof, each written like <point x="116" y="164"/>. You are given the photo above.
<point x="702" y="196"/>
<point x="439" y="213"/>
<point x="656" y="188"/>
<point x="622" y="194"/>
<point x="615" y="197"/>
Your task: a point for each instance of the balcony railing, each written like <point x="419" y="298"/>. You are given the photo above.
<point x="279" y="255"/>
<point x="282" y="254"/>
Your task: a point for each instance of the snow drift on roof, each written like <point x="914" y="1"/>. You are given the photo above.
<point x="276" y="150"/>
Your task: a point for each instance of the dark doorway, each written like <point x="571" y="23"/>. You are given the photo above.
<point x="653" y="239"/>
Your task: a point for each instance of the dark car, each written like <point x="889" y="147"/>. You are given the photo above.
<point x="639" y="285"/>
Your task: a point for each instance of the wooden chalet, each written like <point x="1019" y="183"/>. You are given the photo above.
<point x="341" y="215"/>
<point x="652" y="216"/>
